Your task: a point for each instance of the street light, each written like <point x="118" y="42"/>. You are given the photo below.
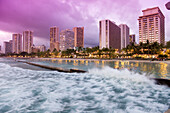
<point x="168" y="5"/>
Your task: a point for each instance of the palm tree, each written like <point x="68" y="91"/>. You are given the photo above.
<point x="168" y="44"/>
<point x="125" y="50"/>
<point x="147" y="45"/>
<point x="23" y="54"/>
<point x="154" y="47"/>
<point x="99" y="53"/>
<point x="111" y="52"/>
<point x="141" y="47"/>
<point x="79" y="49"/>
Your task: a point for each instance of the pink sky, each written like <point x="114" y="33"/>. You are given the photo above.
<point x="39" y="15"/>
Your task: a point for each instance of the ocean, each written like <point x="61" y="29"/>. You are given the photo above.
<point x="100" y="90"/>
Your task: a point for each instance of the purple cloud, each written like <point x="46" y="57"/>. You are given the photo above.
<point x="40" y="15"/>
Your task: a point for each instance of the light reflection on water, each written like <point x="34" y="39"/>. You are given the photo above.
<point x="159" y="70"/>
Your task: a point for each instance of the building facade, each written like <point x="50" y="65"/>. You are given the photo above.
<point x="66" y="39"/>
<point x="27" y="41"/>
<point x="34" y="49"/>
<point x="152" y="26"/>
<point x="109" y="35"/>
<point x="17" y="43"/>
<point x="54" y="38"/>
<point x="42" y="48"/>
<point x="132" y="39"/>
<point x="8" y="47"/>
<point x="124" y="35"/>
<point x="78" y="36"/>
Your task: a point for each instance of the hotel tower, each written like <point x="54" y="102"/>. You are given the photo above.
<point x="109" y="35"/>
<point x="152" y="26"/>
<point x="16" y="43"/>
<point x="78" y="36"/>
<point x="8" y="47"/>
<point x="27" y="41"/>
<point x="66" y="39"/>
<point x="54" y="38"/>
<point x="124" y="35"/>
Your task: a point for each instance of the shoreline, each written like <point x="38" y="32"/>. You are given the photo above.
<point x="160" y="81"/>
<point x="108" y="60"/>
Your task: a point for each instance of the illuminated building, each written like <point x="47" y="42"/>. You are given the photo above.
<point x="36" y="49"/>
<point x="42" y="48"/>
<point x="8" y="47"/>
<point x="124" y="30"/>
<point x="66" y="39"/>
<point x="109" y="35"/>
<point x="152" y="26"/>
<point x="16" y="43"/>
<point x="78" y="36"/>
<point x="54" y="38"/>
<point x="27" y="41"/>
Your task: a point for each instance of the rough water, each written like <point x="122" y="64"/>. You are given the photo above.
<point x="105" y="90"/>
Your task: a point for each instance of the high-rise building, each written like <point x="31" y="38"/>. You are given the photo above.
<point x="8" y="47"/>
<point x="152" y="26"/>
<point x="42" y="48"/>
<point x="34" y="49"/>
<point x="27" y="41"/>
<point x="66" y="39"/>
<point x="78" y="36"/>
<point x="132" y="39"/>
<point x="54" y="38"/>
<point x="16" y="43"/>
<point x="109" y="35"/>
<point x="124" y="35"/>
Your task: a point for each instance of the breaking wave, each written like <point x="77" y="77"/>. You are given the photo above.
<point x="100" y="90"/>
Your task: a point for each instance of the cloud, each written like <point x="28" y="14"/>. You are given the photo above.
<point x="40" y="15"/>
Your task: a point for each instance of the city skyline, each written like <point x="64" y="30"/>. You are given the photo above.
<point x="75" y="14"/>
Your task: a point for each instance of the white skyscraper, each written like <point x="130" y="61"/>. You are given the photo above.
<point x="124" y="35"/>
<point x="66" y="39"/>
<point x="16" y="43"/>
<point x="27" y="41"/>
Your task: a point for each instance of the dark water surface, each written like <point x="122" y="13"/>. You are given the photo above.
<point x="154" y="70"/>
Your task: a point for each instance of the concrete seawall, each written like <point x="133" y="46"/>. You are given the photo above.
<point x="55" y="68"/>
<point x="159" y="81"/>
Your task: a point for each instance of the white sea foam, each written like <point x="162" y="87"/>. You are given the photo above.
<point x="99" y="90"/>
